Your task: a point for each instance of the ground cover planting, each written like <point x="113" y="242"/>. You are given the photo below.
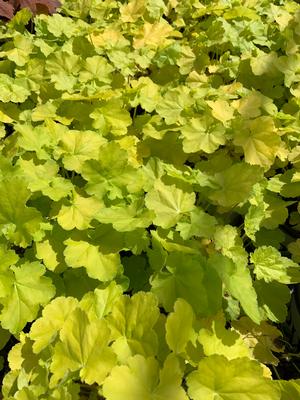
<point x="149" y="200"/>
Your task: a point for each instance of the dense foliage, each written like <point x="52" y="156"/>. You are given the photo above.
<point x="149" y="199"/>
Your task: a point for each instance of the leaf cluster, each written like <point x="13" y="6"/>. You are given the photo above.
<point x="149" y="198"/>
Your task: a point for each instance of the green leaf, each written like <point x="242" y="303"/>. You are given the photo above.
<point x="228" y="241"/>
<point x="289" y="389"/>
<point x="133" y="10"/>
<point x="13" y="90"/>
<point x="18" y="223"/>
<point x="189" y="277"/>
<point x="179" y="327"/>
<point x="173" y="103"/>
<point x="43" y="177"/>
<point x="273" y="298"/>
<point x="257" y="212"/>
<point x="50" y="249"/>
<point x="230" y="380"/>
<point x="28" y="290"/>
<point x="100" y="302"/>
<point x="78" y="212"/>
<point x="45" y="329"/>
<point x="201" y="225"/>
<point x="234" y="184"/>
<point x="202" y="134"/>
<point x="259" y="140"/>
<point x="168" y="203"/>
<point x="111" y="173"/>
<point x="83" y="347"/>
<point x="221" y="110"/>
<point x="22" y="47"/>
<point x="98" y="266"/>
<point x="294" y="249"/>
<point x="75" y="147"/>
<point x="126" y="218"/>
<point x="216" y="339"/>
<point x="238" y="282"/>
<point x="96" y="69"/>
<point x="132" y="322"/>
<point x="111" y="118"/>
<point x="271" y="266"/>
<point x="141" y="378"/>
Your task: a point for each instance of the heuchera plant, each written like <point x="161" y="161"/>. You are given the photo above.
<point x="149" y="199"/>
<point x="8" y="8"/>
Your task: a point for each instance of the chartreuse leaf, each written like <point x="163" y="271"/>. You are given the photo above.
<point x="289" y="389"/>
<point x="180" y="327"/>
<point x="216" y="339"/>
<point x="234" y="184"/>
<point x="189" y="277"/>
<point x="36" y="139"/>
<point x="126" y="218"/>
<point x="269" y="265"/>
<point x="133" y="10"/>
<point x="7" y="257"/>
<point x="237" y="280"/>
<point x="221" y="110"/>
<point x="227" y="240"/>
<point x="12" y="90"/>
<point x="132" y="323"/>
<point x="201" y="225"/>
<point x="173" y="103"/>
<point x="202" y="134"/>
<point x="277" y="211"/>
<point x="18" y="223"/>
<point x="141" y="379"/>
<point x="257" y="212"/>
<point x="155" y="35"/>
<point x="111" y="118"/>
<point x="111" y="173"/>
<point x="43" y="177"/>
<point x="28" y="289"/>
<point x="75" y="147"/>
<point x="147" y="95"/>
<point x="168" y="203"/>
<point x="83" y="347"/>
<point x="99" y="303"/>
<point x="240" y="378"/>
<point x="259" y="140"/>
<point x="96" y="68"/>
<point x="98" y="266"/>
<point x="78" y="212"/>
<point x="45" y="329"/>
<point x="50" y="249"/>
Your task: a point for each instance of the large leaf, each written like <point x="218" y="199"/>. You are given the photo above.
<point x="99" y="266"/>
<point x="131" y="322"/>
<point x="168" y="203"/>
<point x="236" y="379"/>
<point x="141" y="378"/>
<point x="189" y="277"/>
<point x="271" y="266"/>
<point x="238" y="282"/>
<point x="83" y="347"/>
<point x="27" y="291"/>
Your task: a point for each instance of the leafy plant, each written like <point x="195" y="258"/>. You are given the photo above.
<point x="149" y="199"/>
<point x="9" y="7"/>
